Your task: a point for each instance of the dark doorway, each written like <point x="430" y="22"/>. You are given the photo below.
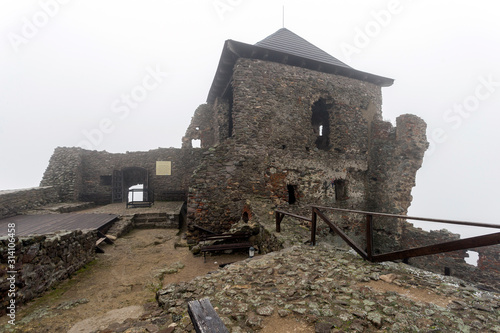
<point x="291" y="194"/>
<point x="245" y="217"/>
<point x="340" y="189"/>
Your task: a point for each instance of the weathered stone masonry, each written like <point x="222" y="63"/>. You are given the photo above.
<point x="42" y="261"/>
<point x="82" y="175"/>
<point x="15" y="201"/>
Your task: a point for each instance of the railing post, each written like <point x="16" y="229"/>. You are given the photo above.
<point x="369" y="236"/>
<point x="313" y="226"/>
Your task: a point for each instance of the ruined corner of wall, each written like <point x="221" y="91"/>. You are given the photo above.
<point x="200" y="128"/>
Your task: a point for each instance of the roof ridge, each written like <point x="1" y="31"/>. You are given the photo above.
<point x="287" y="41"/>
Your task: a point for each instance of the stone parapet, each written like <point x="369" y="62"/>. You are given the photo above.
<point x="13" y="202"/>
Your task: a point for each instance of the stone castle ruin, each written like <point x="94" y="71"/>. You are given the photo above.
<point x="285" y="122"/>
<point x="286" y="125"/>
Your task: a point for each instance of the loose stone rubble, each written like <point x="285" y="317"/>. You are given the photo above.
<point x="329" y="289"/>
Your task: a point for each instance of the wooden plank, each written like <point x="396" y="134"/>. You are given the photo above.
<point x="461" y="244"/>
<point x="225" y="236"/>
<point x="221" y="247"/>
<point x="99" y="241"/>
<point x="204" y="317"/>
<point x="44" y="224"/>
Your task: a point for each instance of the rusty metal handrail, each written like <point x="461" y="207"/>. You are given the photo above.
<point x="425" y="219"/>
<point x="462" y="244"/>
<point x="280" y="214"/>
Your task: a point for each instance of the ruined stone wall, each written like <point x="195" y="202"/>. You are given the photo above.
<point x="44" y="261"/>
<point x="88" y="185"/>
<point x="486" y="273"/>
<point x="16" y="201"/>
<point x="64" y="172"/>
<point x="396" y="154"/>
<point x="416" y="237"/>
<point x="489" y="259"/>
<point x="201" y="128"/>
<point x="211" y="124"/>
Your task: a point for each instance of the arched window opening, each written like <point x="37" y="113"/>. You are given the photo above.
<point x="320" y="121"/>
<point x="472" y="258"/>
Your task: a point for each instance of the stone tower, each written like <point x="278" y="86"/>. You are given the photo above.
<point x="287" y="122"/>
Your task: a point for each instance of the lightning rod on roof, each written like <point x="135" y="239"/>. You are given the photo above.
<point x="283" y="16"/>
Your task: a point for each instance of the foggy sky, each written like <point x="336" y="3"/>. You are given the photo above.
<point x="123" y="75"/>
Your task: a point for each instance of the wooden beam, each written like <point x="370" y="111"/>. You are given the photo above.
<point x="294" y="215"/>
<point x="204" y="317"/>
<point x="341" y="234"/>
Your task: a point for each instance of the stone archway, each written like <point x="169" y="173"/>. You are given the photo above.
<point x="127" y="177"/>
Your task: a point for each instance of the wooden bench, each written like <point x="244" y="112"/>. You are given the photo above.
<point x="234" y="239"/>
<point x="204" y="317"/>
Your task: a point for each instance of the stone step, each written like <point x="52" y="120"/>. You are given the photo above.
<point x="151" y="219"/>
<point x="155" y="220"/>
<point x="147" y="215"/>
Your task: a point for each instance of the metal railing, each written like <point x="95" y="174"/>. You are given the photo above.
<point x="368" y="254"/>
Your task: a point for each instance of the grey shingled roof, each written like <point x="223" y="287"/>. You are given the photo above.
<point x="287" y="48"/>
<point x="286" y="41"/>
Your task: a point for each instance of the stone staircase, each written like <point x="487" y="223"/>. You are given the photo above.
<point x="156" y="220"/>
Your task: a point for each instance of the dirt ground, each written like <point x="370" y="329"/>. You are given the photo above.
<point x="116" y="285"/>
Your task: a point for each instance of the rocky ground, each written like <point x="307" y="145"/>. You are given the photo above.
<point x="299" y="289"/>
<point x="308" y="289"/>
<point x="327" y="290"/>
